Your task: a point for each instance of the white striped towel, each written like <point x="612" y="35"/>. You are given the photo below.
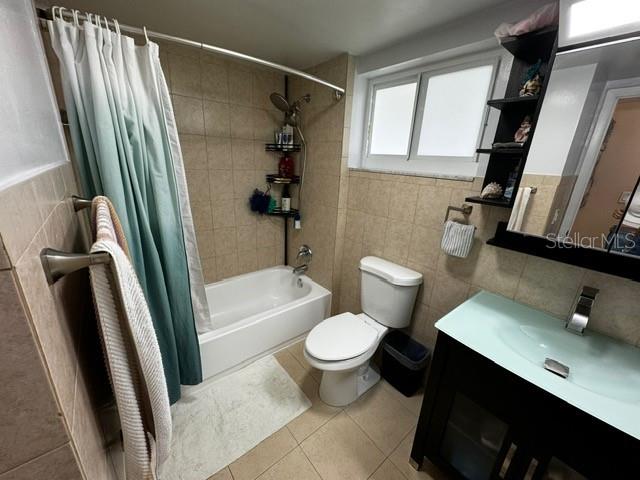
<point x="457" y="239"/>
<point x="131" y="351"/>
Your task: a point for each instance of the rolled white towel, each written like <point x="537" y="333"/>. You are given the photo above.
<point x="457" y="239"/>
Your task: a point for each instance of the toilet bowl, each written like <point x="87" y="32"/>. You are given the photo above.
<point x="341" y="346"/>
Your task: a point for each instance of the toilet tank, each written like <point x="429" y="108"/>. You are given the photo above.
<point x="388" y="291"/>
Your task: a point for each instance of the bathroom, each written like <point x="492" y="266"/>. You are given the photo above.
<point x="289" y="192"/>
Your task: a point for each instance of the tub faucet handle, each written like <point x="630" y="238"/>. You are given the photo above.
<point x="303" y="259"/>
<point x="305" y="252"/>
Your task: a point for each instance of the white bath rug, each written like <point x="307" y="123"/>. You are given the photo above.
<point x="217" y="424"/>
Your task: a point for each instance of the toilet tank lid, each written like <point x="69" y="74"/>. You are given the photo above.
<point x="391" y="272"/>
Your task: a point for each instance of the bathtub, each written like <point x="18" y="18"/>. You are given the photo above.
<point x="258" y="313"/>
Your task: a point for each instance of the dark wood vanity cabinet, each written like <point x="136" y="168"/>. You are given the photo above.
<point x="480" y="421"/>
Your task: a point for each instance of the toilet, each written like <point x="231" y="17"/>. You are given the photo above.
<point x="341" y="346"/>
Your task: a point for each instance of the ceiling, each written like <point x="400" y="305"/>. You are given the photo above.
<point x="298" y="33"/>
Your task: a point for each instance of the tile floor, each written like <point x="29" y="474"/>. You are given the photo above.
<point x="369" y="439"/>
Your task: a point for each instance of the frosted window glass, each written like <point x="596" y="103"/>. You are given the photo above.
<point x="453" y="111"/>
<point x="392" y="118"/>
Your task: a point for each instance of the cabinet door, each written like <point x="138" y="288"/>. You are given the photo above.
<point x="473" y="439"/>
<point x="556" y="469"/>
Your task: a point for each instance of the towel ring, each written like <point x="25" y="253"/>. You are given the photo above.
<point x="466" y="209"/>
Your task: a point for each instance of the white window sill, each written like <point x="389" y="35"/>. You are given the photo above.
<point x="461" y="178"/>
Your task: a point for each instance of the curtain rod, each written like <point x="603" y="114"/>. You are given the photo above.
<point x="46" y="14"/>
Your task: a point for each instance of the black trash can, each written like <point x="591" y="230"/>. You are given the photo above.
<point x="404" y="362"/>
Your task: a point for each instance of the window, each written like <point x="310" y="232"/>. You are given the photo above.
<point x="430" y="122"/>
<point x="392" y="119"/>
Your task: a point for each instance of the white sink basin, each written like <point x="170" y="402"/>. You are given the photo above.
<point x="596" y="362"/>
<point x="604" y="374"/>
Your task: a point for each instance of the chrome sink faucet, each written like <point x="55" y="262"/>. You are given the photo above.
<point x="579" y="315"/>
<point x="304" y="253"/>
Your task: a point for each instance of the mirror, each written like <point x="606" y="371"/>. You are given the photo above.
<point x="580" y="181"/>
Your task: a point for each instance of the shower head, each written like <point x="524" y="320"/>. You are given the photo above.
<point x="290" y="110"/>
<point x="280" y="102"/>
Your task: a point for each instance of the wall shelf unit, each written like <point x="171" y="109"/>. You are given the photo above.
<point x="280" y="147"/>
<point x="274" y="178"/>
<point x="513" y="102"/>
<point x="278" y="212"/>
<point x="277" y="179"/>
<point x="501" y="151"/>
<point x="504" y="163"/>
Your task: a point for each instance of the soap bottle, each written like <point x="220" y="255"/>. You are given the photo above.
<point x="286" y="199"/>
<point x="285" y="166"/>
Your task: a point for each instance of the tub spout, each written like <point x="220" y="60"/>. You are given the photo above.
<point x="300" y="269"/>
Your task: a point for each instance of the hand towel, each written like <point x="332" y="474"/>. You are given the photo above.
<point x="131" y="351"/>
<point x="457" y="239"/>
<point x="519" y="209"/>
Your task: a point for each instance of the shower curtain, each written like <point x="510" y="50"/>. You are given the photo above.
<point x="126" y="146"/>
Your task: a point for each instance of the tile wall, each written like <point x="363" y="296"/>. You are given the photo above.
<point x="324" y="195"/>
<point x="407" y="229"/>
<point x="53" y="378"/>
<point x="224" y="118"/>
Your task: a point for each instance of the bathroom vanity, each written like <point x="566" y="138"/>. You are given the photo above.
<point x="491" y="410"/>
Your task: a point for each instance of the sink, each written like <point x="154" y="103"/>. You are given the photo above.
<point x="596" y="362"/>
<point x="604" y="374"/>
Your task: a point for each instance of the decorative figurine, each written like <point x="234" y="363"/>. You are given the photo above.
<point x="522" y="134"/>
<point x="532" y="82"/>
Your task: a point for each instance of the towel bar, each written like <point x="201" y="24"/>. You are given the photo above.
<point x="80" y="203"/>
<point x="57" y="264"/>
<point x="466" y="209"/>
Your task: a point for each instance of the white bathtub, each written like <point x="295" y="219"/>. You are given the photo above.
<point x="258" y="313"/>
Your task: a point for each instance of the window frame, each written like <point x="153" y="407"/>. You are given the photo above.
<point x="382" y="83"/>
<point x="412" y="163"/>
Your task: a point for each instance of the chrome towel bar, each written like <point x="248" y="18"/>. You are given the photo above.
<point x="56" y="264"/>
<point x="80" y="203"/>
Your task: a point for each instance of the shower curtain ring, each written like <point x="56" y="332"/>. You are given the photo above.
<point x="76" y="21"/>
<point x="60" y="9"/>
<point x="146" y="37"/>
<point x="117" y="25"/>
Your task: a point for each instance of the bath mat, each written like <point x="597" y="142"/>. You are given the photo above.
<point x="218" y="423"/>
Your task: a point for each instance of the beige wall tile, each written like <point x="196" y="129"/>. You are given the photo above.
<point x="548" y="285"/>
<point x="219" y="153"/>
<point x="216" y="119"/>
<point x="194" y="152"/>
<point x="185" y="75"/>
<point x="402" y="201"/>
<point x="226" y="265"/>
<point x="29" y="422"/>
<point x="396" y="243"/>
<point x="242" y="154"/>
<point x="215" y="81"/>
<point x="242" y="119"/>
<point x="5" y="263"/>
<point x="58" y="464"/>
<point x="189" y="114"/>
<point x="240" y="86"/>
<point x="220" y="184"/>
<point x="225" y="240"/>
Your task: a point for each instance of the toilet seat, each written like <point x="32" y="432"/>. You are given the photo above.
<point x="341" y="337"/>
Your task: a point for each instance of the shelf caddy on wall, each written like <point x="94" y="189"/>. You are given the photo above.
<point x="526" y="49"/>
<point x="277" y="179"/>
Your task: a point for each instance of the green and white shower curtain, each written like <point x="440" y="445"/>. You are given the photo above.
<point x="126" y="146"/>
